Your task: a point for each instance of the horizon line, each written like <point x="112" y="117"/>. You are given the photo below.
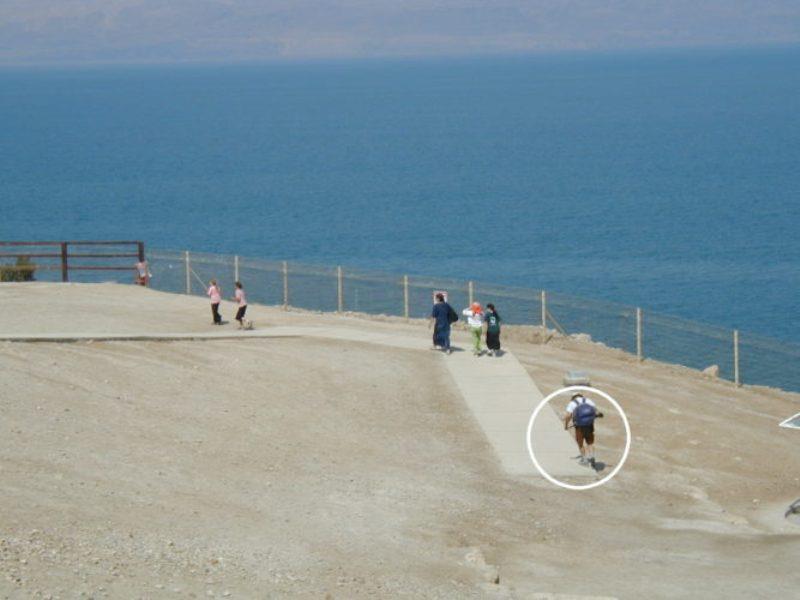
<point x="409" y="57"/>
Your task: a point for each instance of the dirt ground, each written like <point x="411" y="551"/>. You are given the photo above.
<point x="322" y="469"/>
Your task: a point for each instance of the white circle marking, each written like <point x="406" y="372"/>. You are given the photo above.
<point x="614" y="403"/>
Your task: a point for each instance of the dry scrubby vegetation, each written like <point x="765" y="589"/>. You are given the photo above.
<point x="23" y="270"/>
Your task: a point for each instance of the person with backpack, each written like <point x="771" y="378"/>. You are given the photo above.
<point x="582" y="411"/>
<point x="474" y="316"/>
<point x="442" y="317"/>
<point x="492" y="320"/>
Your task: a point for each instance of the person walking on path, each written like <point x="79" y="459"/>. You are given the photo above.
<point x="241" y="299"/>
<point x="474" y="316"/>
<point x="582" y="411"/>
<point x="215" y="294"/>
<point x="492" y="329"/>
<point x="143" y="273"/>
<point x="442" y="316"/>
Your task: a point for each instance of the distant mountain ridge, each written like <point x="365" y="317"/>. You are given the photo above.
<point x="34" y="31"/>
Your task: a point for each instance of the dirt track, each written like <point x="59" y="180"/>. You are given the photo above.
<point x="313" y="468"/>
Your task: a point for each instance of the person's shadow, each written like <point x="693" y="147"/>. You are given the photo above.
<point x="598" y="467"/>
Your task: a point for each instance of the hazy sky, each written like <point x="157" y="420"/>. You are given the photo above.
<point x="179" y="30"/>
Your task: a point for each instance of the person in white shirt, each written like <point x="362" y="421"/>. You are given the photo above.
<point x="142" y="273"/>
<point x="582" y="412"/>
<point x="475" y="316"/>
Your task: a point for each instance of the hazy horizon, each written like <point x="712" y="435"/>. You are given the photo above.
<point x="206" y="31"/>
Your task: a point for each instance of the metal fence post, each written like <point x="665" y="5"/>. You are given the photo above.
<point x="64" y="264"/>
<point x="736" y="378"/>
<point x="236" y="268"/>
<point x="339" y="289"/>
<point x="285" y="285"/>
<point x="471" y="289"/>
<point x="405" y="296"/>
<point x="639" y="353"/>
<point x="544" y="309"/>
<point x="188" y="269"/>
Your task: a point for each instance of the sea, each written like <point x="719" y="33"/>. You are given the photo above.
<point x="668" y="180"/>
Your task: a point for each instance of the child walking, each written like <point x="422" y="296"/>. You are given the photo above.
<point x="215" y="294"/>
<point x="474" y="316"/>
<point x="241" y="300"/>
<point x="492" y="330"/>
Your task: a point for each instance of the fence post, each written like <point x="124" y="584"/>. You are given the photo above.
<point x="339" y="289"/>
<point x="639" y="353"/>
<point x="285" y="285"/>
<point x="188" y="268"/>
<point x="471" y="288"/>
<point x="736" y="378"/>
<point x="64" y="265"/>
<point x="236" y="267"/>
<point x="544" y="309"/>
<point x="405" y="296"/>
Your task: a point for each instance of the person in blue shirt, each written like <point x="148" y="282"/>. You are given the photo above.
<point x="441" y="317"/>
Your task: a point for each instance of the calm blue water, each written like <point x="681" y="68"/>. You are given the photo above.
<point x="670" y="181"/>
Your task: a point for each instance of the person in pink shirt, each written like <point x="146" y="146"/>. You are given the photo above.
<point x="215" y="294"/>
<point x="241" y="299"/>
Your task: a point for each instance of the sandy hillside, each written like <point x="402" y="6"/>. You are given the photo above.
<point x="318" y="468"/>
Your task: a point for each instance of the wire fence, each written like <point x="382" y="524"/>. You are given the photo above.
<point x="742" y="358"/>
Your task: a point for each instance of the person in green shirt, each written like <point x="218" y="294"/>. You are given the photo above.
<point x="492" y="321"/>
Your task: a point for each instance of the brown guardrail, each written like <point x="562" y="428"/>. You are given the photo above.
<point x="64" y="253"/>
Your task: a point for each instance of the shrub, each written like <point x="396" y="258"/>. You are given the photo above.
<point x="23" y="270"/>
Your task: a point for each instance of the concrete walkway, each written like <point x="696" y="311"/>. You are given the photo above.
<point x="498" y="390"/>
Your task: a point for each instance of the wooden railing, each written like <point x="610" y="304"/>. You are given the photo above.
<point x="68" y="256"/>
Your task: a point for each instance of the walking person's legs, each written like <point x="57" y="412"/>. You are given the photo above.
<point x="579" y="440"/>
<point x="589" y="438"/>
<point x="492" y="342"/>
<point x="215" y="313"/>
<point x="476" y="340"/>
<point x="446" y="340"/>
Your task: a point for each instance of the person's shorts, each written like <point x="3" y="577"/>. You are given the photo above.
<point x="585" y="433"/>
<point x="240" y="312"/>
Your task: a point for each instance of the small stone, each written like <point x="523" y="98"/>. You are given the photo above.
<point x="711" y="371"/>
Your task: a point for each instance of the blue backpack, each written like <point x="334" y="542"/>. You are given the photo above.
<point x="584" y="414"/>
